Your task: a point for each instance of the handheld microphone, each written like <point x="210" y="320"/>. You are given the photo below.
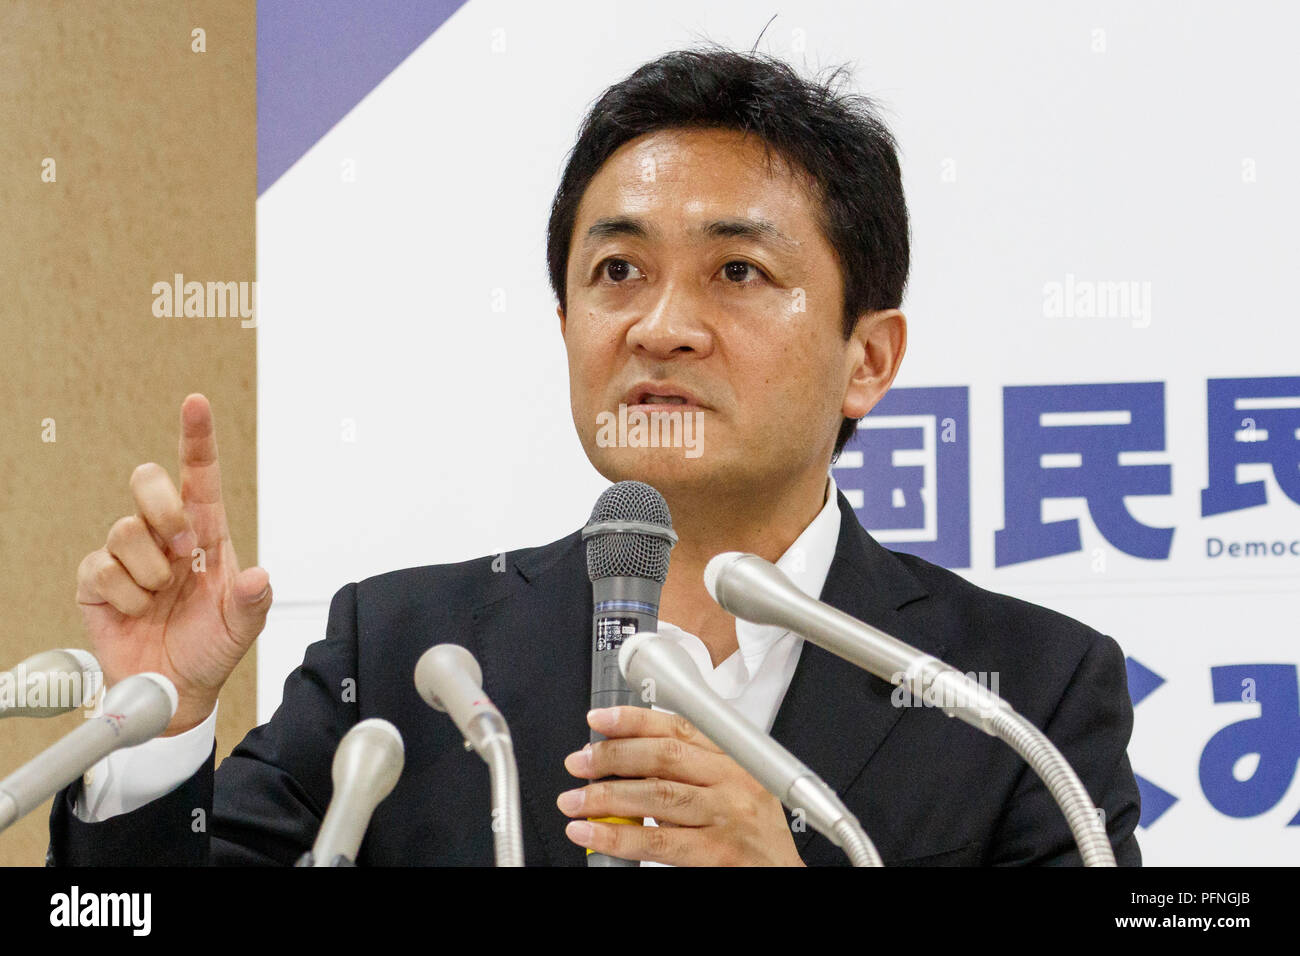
<point x="50" y="683"/>
<point x="449" y="679"/>
<point x="367" y="764"/>
<point x="649" y="661"/>
<point x="757" y="591"/>
<point x="628" y="539"/>
<point x="136" y="709"/>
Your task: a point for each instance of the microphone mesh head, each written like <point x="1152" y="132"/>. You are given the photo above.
<point x="628" y="553"/>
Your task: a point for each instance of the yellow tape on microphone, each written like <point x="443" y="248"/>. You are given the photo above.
<point x="627" y="820"/>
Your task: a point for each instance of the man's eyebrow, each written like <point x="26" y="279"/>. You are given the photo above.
<point x="758" y="230"/>
<point x="608" y="227"/>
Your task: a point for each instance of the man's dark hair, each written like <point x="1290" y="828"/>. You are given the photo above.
<point x="835" y="138"/>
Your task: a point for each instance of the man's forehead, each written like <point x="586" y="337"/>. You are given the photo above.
<point x="688" y="155"/>
<point x="700" y="177"/>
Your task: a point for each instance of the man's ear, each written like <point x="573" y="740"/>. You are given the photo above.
<point x="878" y="342"/>
<point x="559" y="310"/>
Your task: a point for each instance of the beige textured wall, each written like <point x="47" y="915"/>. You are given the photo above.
<point x="155" y="153"/>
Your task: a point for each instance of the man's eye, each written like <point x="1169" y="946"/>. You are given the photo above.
<point x="740" y="272"/>
<point x="616" y="270"/>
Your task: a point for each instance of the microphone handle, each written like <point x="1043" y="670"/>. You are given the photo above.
<point x="344" y="826"/>
<point x="622" y="606"/>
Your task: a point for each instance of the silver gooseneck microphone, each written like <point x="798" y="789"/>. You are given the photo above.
<point x="449" y="679"/>
<point x="665" y="671"/>
<point x="757" y="591"/>
<point x="50" y="683"/>
<point x="136" y="709"/>
<point x="367" y="764"/>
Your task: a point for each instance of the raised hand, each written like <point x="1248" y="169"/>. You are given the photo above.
<point x="165" y="593"/>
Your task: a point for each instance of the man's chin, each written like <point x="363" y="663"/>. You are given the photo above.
<point x="668" y="470"/>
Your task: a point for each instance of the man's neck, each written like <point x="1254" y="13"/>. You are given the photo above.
<point x="762" y="524"/>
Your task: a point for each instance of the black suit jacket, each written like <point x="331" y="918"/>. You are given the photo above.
<point x="929" y="790"/>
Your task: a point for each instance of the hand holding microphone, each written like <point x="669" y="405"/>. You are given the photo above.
<point x="646" y="763"/>
<point x="650" y="661"/>
<point x="628" y="537"/>
<point x="710" y="810"/>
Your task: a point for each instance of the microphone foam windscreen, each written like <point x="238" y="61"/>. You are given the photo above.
<point x="630" y="554"/>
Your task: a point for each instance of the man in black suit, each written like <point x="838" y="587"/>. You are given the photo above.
<point x="729" y="242"/>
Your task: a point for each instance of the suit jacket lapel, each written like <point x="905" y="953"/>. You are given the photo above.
<point x="835" y="715"/>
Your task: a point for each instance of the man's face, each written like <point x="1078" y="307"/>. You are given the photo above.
<point x="695" y="271"/>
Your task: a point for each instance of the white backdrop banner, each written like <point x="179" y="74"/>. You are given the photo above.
<point x="1100" y="406"/>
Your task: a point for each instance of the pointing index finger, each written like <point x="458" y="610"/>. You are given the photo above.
<point x="200" y="470"/>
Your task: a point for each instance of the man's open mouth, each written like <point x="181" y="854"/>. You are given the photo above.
<point x="658" y="393"/>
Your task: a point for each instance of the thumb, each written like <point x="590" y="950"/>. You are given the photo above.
<point x="247" y="602"/>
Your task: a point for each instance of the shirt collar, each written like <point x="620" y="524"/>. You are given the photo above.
<point x="807" y="562"/>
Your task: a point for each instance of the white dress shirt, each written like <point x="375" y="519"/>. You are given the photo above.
<point x="753" y="679"/>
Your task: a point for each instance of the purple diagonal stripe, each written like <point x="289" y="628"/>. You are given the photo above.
<point x="316" y="59"/>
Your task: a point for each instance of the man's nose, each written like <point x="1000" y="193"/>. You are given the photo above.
<point x="674" y="324"/>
